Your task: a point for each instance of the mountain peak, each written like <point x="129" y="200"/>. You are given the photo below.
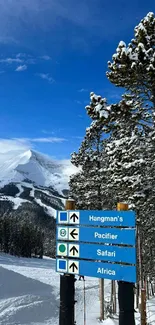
<point x="18" y="166"/>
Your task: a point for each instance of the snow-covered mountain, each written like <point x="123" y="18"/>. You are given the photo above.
<point x="31" y="177"/>
<point x="17" y="166"/>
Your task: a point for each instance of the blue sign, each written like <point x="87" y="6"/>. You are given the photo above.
<point x="107" y="235"/>
<point x="63" y="217"/>
<point x="108" y="271"/>
<point x="97" y="269"/>
<point x="62" y="265"/>
<point x="107" y="253"/>
<point x="97" y="235"/>
<point x="97" y="218"/>
<point x="96" y="243"/>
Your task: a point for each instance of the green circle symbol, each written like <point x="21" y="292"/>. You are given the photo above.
<point x="62" y="248"/>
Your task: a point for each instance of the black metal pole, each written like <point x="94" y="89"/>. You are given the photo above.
<point x="125" y="292"/>
<point x="67" y="288"/>
<point x="67" y="300"/>
<point x="126" y="303"/>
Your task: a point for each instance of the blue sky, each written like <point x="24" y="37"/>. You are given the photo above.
<point x="52" y="54"/>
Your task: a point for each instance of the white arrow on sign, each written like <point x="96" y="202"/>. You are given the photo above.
<point x="73" y="250"/>
<point x="74" y="217"/>
<point x="73" y="267"/>
<point x="74" y="234"/>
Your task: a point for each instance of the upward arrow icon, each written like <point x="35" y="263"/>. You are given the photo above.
<point x="73" y="267"/>
<point x="74" y="250"/>
<point x="74" y="217"/>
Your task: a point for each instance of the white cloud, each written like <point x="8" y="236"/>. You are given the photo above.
<point x="82" y="90"/>
<point x="46" y="57"/>
<point x="48" y="140"/>
<point x="20" y="58"/>
<point x="27" y="58"/>
<point x="21" y="55"/>
<point x="21" y="68"/>
<point x="46" y="76"/>
<point x="41" y="140"/>
<point x="24" y="144"/>
<point x="11" y="60"/>
<point x="13" y="144"/>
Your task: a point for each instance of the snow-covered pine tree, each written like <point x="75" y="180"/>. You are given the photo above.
<point x="77" y="191"/>
<point x="124" y="171"/>
<point x="126" y="152"/>
<point x="133" y="66"/>
<point x="88" y="187"/>
<point x="101" y="113"/>
<point x="85" y="186"/>
<point x="131" y="169"/>
<point x="128" y="161"/>
<point x="148" y="229"/>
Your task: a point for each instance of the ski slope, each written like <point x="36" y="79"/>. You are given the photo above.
<point x="16" y="166"/>
<point x="29" y="294"/>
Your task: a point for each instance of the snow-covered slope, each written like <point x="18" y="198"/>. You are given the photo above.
<point x="17" y="166"/>
<point x="34" y="178"/>
<point x="29" y="295"/>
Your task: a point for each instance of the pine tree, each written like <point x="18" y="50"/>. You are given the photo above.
<point x="21" y="238"/>
<point x="126" y="151"/>
<point x="6" y="234"/>
<point x="14" y="248"/>
<point x="128" y="161"/>
<point x="38" y="243"/>
<point x="133" y="66"/>
<point x="148" y="229"/>
<point x="86" y="184"/>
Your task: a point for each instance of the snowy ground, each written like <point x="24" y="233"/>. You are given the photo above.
<point x="29" y="294"/>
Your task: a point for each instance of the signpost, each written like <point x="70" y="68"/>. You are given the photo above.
<point x="97" y="269"/>
<point x="109" y="253"/>
<point x="97" y="235"/>
<point x="97" y="243"/>
<point x="97" y="218"/>
<point x="67" y="284"/>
